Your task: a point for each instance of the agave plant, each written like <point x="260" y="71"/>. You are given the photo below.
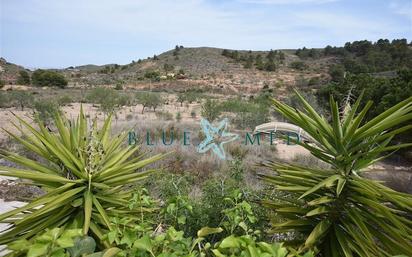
<point x="340" y="212"/>
<point x="83" y="174"/>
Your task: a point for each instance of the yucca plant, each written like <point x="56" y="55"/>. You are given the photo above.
<point x="84" y="174"/>
<point x="340" y="212"/>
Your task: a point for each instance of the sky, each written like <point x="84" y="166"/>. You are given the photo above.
<point x="62" y="33"/>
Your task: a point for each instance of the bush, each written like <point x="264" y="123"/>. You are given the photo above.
<point x="313" y="81"/>
<point x="210" y="110"/>
<point x="178" y="117"/>
<point x="23" y="78"/>
<point x="45" y="110"/>
<point x="249" y="114"/>
<point x="153" y="75"/>
<point x="298" y="65"/>
<point x="164" y="115"/>
<point x="337" y="73"/>
<point x="46" y="78"/>
<point x="2" y="83"/>
<point x="119" y="86"/>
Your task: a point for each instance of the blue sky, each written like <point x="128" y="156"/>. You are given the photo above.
<point x="61" y="33"/>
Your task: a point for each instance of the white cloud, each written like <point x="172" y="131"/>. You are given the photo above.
<point x="403" y="8"/>
<point x="287" y="2"/>
<point x="104" y="31"/>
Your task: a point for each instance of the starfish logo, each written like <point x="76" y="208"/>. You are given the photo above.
<point x="216" y="137"/>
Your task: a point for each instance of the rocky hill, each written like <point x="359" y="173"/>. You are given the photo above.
<point x="9" y="72"/>
<point x="206" y="65"/>
<point x="241" y="70"/>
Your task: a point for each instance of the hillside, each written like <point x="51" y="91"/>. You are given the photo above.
<point x="203" y="65"/>
<point x="9" y="72"/>
<point x="241" y="70"/>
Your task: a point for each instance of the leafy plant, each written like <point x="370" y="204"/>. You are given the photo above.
<point x="238" y="216"/>
<point x="247" y="246"/>
<point x="177" y="211"/>
<point x="59" y="242"/>
<point x="53" y="242"/>
<point x="340" y="212"/>
<point x="84" y="174"/>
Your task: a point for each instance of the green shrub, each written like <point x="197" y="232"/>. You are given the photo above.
<point x="64" y="100"/>
<point x="45" y="110"/>
<point x="53" y="242"/>
<point x="164" y="115"/>
<point x="210" y="110"/>
<point x="83" y="175"/>
<point x="2" y="83"/>
<point x="22" y="98"/>
<point x="178" y="117"/>
<point x="153" y="75"/>
<point x="118" y="87"/>
<point x="298" y="65"/>
<point x="337" y="73"/>
<point x="47" y="78"/>
<point x="23" y="78"/>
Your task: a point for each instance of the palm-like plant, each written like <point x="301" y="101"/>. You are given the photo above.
<point x="340" y="212"/>
<point x="83" y="173"/>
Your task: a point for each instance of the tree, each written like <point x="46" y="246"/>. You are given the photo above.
<point x="153" y="75"/>
<point x="149" y="100"/>
<point x="107" y="98"/>
<point x="181" y="98"/>
<point x="46" y="78"/>
<point x="210" y="110"/>
<point x="24" y="78"/>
